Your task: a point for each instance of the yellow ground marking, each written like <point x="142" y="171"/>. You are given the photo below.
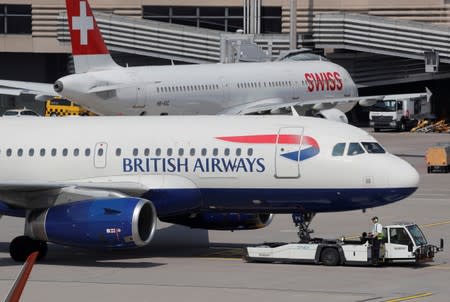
<point x="416" y="296"/>
<point x="435" y="224"/>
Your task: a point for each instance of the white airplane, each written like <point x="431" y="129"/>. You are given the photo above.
<point x="317" y="87"/>
<point x="107" y="178"/>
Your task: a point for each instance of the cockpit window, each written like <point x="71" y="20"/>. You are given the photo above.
<point x="372" y="147"/>
<point x="354" y="149"/>
<point x="338" y="149"/>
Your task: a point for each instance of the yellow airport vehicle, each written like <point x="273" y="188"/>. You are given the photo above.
<point x="64" y="107"/>
<point x="438" y="158"/>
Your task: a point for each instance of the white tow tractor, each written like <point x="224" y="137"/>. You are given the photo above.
<point x="403" y="242"/>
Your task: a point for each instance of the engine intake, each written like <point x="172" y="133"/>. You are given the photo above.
<point x="101" y="223"/>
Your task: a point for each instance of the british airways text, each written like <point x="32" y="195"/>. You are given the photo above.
<point x="195" y="165"/>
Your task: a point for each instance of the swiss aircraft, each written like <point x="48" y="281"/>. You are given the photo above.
<point x="312" y="84"/>
<point x="107" y="182"/>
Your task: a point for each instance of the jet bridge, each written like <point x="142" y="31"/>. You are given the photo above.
<point x="384" y="50"/>
<point x="178" y="42"/>
<point x="388" y="36"/>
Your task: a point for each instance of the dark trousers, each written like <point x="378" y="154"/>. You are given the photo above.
<point x="375" y="249"/>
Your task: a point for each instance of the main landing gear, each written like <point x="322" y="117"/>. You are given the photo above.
<point x="302" y="221"/>
<point x="21" y="247"/>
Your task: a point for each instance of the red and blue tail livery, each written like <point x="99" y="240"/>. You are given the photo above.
<point x="308" y="145"/>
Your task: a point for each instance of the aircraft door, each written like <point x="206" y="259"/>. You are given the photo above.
<point x="287" y="152"/>
<point x="141" y="96"/>
<point x="225" y="92"/>
<point x="100" y="155"/>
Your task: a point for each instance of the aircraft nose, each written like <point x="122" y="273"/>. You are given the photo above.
<point x="58" y="86"/>
<point x="403" y="175"/>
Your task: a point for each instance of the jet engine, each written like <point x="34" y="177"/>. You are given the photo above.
<point x="333" y="114"/>
<point x="97" y="223"/>
<point x="223" y="221"/>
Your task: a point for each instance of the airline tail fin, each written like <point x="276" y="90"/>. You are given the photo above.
<point x="88" y="47"/>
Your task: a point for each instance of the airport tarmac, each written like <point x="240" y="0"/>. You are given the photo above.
<point x="179" y="265"/>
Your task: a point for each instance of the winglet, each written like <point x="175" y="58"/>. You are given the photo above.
<point x="21" y="280"/>
<point x="88" y="47"/>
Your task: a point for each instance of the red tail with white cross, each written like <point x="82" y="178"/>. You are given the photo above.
<point x="88" y="48"/>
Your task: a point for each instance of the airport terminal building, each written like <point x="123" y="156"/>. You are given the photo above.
<point x="387" y="47"/>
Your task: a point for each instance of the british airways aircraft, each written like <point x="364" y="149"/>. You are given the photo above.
<point x="316" y="87"/>
<point x="107" y="179"/>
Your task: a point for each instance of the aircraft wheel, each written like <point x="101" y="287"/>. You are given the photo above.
<point x="21" y="247"/>
<point x="330" y="257"/>
<point x="42" y="248"/>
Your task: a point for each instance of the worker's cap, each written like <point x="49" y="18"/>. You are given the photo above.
<point x="374" y="218"/>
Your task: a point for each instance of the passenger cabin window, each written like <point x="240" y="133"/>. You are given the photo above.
<point x="65" y="152"/>
<point x="169" y="152"/>
<point x="180" y="152"/>
<point x="87" y="152"/>
<point x="250" y="152"/>
<point x="226" y="152"/>
<point x="338" y="149"/>
<point x="118" y="151"/>
<point x="135" y="152"/>
<point x="8" y="152"/>
<point x="31" y="152"/>
<point x="354" y="149"/>
<point x="238" y="152"/>
<point x="192" y="152"/>
<point x="76" y="152"/>
<point x="53" y="152"/>
<point x="99" y="152"/>
<point x="215" y="152"/>
<point x="42" y="152"/>
<point x="158" y="152"/>
<point x="372" y="147"/>
<point x="19" y="152"/>
<point x="204" y="152"/>
<point x="146" y="152"/>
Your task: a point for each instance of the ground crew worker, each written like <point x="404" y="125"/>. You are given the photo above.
<point x="377" y="237"/>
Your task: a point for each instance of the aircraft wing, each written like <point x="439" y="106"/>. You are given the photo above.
<point x="46" y="194"/>
<point x="19" y="87"/>
<point x="318" y="104"/>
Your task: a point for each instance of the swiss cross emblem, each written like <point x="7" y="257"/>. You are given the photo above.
<point x="83" y="23"/>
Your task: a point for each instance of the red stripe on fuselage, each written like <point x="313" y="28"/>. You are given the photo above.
<point x="263" y="139"/>
<point x="271" y="139"/>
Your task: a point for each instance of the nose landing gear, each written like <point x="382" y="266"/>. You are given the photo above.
<point x="302" y="221"/>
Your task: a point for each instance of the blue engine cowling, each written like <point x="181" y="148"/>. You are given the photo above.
<point x="223" y="221"/>
<point x="97" y="223"/>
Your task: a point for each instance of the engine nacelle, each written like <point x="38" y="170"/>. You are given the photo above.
<point x="96" y="223"/>
<point x="223" y="221"/>
<point x="334" y="115"/>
